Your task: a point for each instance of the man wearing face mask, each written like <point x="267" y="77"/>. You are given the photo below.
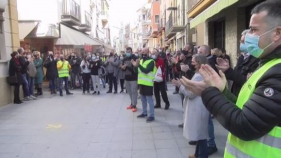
<point x="131" y="77"/>
<point x="253" y="119"/>
<point x="63" y="67"/>
<point x="160" y="86"/>
<point x="51" y="65"/>
<point x="112" y="63"/>
<point x="75" y="62"/>
<point x="246" y="64"/>
<point x="146" y="74"/>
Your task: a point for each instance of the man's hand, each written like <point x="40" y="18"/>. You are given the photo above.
<point x="176" y="82"/>
<point x="123" y="66"/>
<point x="211" y="79"/>
<point x="173" y="60"/>
<point x="184" y="68"/>
<point x="223" y="64"/>
<point x="135" y="63"/>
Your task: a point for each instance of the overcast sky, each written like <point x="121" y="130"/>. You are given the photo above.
<point x="123" y="10"/>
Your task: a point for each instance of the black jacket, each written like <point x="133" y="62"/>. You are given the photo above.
<point x="131" y="73"/>
<point x="95" y="66"/>
<point x="239" y="74"/>
<point x="146" y="90"/>
<point x="260" y="113"/>
<point x="15" y="70"/>
<point x="75" y="64"/>
<point x="24" y="64"/>
<point x="189" y="74"/>
<point x="51" y="66"/>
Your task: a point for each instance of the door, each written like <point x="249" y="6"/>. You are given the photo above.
<point x="219" y="34"/>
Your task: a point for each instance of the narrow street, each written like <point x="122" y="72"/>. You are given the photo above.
<point x="91" y="126"/>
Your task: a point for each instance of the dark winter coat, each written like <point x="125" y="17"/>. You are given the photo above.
<point x="260" y="113"/>
<point x="15" y="69"/>
<point x="131" y="73"/>
<point x="239" y="74"/>
<point x="51" y="66"/>
<point x="24" y="64"/>
<point x="75" y="64"/>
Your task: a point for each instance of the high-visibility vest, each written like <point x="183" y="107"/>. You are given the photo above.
<point x="269" y="145"/>
<point x="64" y="71"/>
<point x="146" y="79"/>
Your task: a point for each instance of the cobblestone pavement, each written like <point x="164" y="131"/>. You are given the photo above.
<point x="91" y="126"/>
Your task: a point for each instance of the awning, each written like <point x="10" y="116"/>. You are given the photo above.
<point x="71" y="36"/>
<point x="25" y="28"/>
<point x="211" y="11"/>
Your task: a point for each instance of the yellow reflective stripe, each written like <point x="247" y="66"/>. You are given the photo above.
<point x="232" y="152"/>
<point x="145" y="79"/>
<point x="263" y="147"/>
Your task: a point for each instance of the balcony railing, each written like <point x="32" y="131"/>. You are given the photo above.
<point x="87" y="24"/>
<point x="71" y="12"/>
<point x="172" y="28"/>
<point x="88" y="19"/>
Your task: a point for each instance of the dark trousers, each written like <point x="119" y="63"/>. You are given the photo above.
<point x="112" y="80"/>
<point x="65" y="80"/>
<point x="52" y="84"/>
<point x="176" y="76"/>
<point x="73" y="79"/>
<point x="17" y="93"/>
<point x="122" y="83"/>
<point x="160" y="87"/>
<point x="86" y="81"/>
<point x="201" y="150"/>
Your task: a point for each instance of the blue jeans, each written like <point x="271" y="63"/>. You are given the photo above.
<point x="52" y="84"/>
<point x="211" y="140"/>
<point x="201" y="150"/>
<point x="25" y="85"/>
<point x="30" y="85"/>
<point x="149" y="100"/>
<point x="65" y="80"/>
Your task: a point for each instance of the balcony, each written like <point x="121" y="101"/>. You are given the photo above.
<point x="71" y="14"/>
<point x="104" y="17"/>
<point x="146" y="33"/>
<point x="199" y="7"/>
<point x="87" y="25"/>
<point x="146" y="22"/>
<point x="171" y="29"/>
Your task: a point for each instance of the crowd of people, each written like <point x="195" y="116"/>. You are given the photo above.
<point x="244" y="99"/>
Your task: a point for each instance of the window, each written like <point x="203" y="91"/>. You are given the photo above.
<point x="156" y="18"/>
<point x="143" y="17"/>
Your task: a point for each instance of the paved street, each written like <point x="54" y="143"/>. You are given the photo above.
<point x="87" y="126"/>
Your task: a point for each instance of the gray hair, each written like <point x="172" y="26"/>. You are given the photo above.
<point x="245" y="32"/>
<point x="200" y="59"/>
<point x="20" y="50"/>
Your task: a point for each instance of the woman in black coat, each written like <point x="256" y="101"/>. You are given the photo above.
<point x="15" y="70"/>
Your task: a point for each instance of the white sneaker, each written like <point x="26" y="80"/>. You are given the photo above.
<point x="27" y="99"/>
<point x="32" y="97"/>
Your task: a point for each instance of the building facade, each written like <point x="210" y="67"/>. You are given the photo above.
<point x="9" y="41"/>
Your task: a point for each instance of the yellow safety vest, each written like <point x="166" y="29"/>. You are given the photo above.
<point x="64" y="71"/>
<point x="268" y="146"/>
<point x="146" y="79"/>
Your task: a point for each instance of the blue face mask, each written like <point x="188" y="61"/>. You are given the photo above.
<point x="128" y="54"/>
<point x="243" y="48"/>
<point x="93" y="58"/>
<point x="252" y="43"/>
<point x="153" y="56"/>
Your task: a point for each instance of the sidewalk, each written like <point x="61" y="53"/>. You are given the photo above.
<point x="91" y="126"/>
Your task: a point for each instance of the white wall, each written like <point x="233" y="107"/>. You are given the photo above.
<point x="45" y="10"/>
<point x="5" y="44"/>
